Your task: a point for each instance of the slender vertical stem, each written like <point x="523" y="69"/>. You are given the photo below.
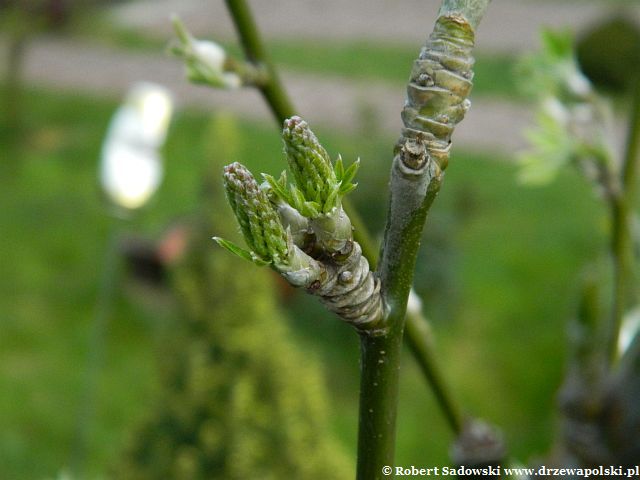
<point x="380" y="356"/>
<point x="434" y="106"/>
<point x="380" y="369"/>
<point x="621" y="248"/>
<point x="272" y="90"/>
<point x="632" y="151"/>
<point x="95" y="355"/>
<point x="622" y="239"/>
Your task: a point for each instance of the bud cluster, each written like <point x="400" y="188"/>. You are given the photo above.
<point x="301" y="229"/>
<point x="258" y="220"/>
<point x="310" y="164"/>
<point x="319" y="186"/>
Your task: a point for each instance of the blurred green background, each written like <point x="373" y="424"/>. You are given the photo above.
<point x="498" y="272"/>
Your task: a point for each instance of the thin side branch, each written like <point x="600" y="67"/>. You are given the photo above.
<point x="632" y="151"/>
<point x="418" y="338"/>
<point x="622" y="245"/>
<point x="622" y="253"/>
<point x="272" y="89"/>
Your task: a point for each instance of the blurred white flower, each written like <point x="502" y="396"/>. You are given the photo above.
<point x="131" y="166"/>
<point x="205" y="61"/>
<point x="209" y="53"/>
<point x="628" y="330"/>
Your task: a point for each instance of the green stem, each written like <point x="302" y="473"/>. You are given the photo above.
<point x="472" y="10"/>
<point x="272" y="89"/>
<point x="622" y="239"/>
<point x="416" y="177"/>
<point x="417" y="335"/>
<point x="380" y="368"/>
<point x="632" y="151"/>
<point x="95" y="362"/>
<point x="411" y="197"/>
<point x="376" y="435"/>
<point x="621" y="249"/>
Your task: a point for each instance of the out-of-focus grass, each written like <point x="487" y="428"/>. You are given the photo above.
<point x="51" y="248"/>
<point x="55" y="231"/>
<point x="506" y="260"/>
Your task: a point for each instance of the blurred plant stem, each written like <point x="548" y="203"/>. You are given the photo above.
<point x="622" y="244"/>
<point x="380" y="355"/>
<point x="95" y="353"/>
<point x="272" y="90"/>
<point x="420" y="342"/>
<point x="632" y="150"/>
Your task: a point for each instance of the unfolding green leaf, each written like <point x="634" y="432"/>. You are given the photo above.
<point x="331" y="201"/>
<point x="350" y="173"/>
<point x="240" y="252"/>
<point x="339" y="168"/>
<point x="298" y="199"/>
<point x="346" y="188"/>
<point x="310" y="209"/>
<point x="278" y="187"/>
